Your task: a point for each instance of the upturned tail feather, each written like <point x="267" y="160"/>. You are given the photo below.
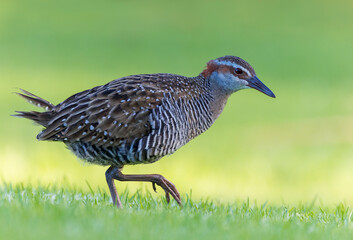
<point x="41" y="118"/>
<point x="35" y="100"/>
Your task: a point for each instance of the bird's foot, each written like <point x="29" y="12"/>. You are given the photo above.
<point x="168" y="187"/>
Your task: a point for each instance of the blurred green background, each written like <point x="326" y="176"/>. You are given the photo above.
<point x="296" y="147"/>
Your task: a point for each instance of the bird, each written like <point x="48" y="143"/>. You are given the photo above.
<point x="141" y="118"/>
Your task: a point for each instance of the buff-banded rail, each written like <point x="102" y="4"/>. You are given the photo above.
<point x="141" y="118"/>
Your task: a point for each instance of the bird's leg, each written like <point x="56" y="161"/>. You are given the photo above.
<point x="161" y="181"/>
<point x="109" y="175"/>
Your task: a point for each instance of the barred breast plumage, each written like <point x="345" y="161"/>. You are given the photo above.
<point x="141" y="118"/>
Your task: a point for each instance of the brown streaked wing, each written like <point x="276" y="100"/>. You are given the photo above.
<point x="109" y="114"/>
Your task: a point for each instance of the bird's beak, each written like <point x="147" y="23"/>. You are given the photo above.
<point x="255" y="83"/>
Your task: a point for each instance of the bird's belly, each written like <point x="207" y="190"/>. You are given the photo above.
<point x="125" y="154"/>
<point x="111" y="155"/>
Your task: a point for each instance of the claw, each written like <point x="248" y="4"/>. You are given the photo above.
<point x="154" y="187"/>
<point x="167" y="197"/>
<point x="169" y="188"/>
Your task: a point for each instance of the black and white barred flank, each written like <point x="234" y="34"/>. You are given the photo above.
<point x="173" y="124"/>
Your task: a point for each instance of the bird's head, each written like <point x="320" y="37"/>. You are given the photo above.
<point x="231" y="74"/>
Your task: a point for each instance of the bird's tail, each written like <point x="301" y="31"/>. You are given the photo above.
<point x="41" y="118"/>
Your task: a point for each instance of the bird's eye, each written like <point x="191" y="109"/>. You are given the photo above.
<point x="238" y="71"/>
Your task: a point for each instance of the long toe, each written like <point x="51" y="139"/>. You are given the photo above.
<point x="169" y="188"/>
<point x="167" y="197"/>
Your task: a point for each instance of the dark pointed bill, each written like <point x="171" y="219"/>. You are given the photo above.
<point x="255" y="83"/>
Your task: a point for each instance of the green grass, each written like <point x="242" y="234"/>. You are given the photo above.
<point x="61" y="213"/>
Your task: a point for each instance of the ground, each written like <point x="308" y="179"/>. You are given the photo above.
<point x="58" y="213"/>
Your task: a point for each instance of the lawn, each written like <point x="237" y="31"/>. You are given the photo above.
<point x="61" y="213"/>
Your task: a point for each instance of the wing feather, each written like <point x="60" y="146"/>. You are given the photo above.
<point x="109" y="114"/>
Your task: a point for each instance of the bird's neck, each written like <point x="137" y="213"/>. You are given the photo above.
<point x="220" y="100"/>
<point x="219" y="96"/>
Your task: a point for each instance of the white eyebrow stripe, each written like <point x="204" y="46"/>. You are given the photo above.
<point x="232" y="64"/>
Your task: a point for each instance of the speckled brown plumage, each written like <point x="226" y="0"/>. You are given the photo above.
<point x="121" y="108"/>
<point x="141" y="118"/>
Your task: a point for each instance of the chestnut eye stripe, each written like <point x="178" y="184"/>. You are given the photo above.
<point x="234" y="65"/>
